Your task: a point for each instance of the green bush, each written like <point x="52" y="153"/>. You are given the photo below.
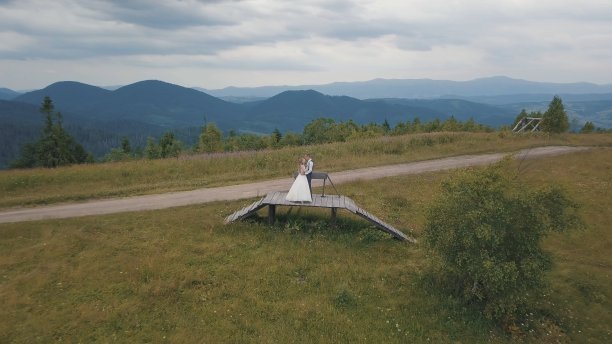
<point x="483" y="234"/>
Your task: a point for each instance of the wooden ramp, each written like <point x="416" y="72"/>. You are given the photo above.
<point x="333" y="202"/>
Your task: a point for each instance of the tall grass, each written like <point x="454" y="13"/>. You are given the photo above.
<point x="80" y="182"/>
<point x="180" y="275"/>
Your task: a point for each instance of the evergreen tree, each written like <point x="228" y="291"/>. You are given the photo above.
<point x="276" y="136"/>
<point x="125" y="145"/>
<point x="152" y="149"/>
<point x="555" y="118"/>
<point x="588" y="127"/>
<point x="169" y="146"/>
<point x="416" y="125"/>
<point x="386" y="126"/>
<point x="56" y="147"/>
<point x="451" y="124"/>
<point x="471" y="125"/>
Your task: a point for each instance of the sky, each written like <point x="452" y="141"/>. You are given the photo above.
<point x="215" y="44"/>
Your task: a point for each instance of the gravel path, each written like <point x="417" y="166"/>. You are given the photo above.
<point x="235" y="192"/>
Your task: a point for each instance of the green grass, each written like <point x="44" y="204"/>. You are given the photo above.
<point x="180" y="275"/>
<point x="82" y="182"/>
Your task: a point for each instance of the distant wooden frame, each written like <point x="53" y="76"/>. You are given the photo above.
<point x="527" y="124"/>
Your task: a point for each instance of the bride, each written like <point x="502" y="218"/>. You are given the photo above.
<point x="300" y="192"/>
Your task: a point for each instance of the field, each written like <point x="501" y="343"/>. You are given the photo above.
<point x="82" y="182"/>
<point x="180" y="275"/>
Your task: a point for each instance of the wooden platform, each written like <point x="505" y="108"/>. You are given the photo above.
<point x="332" y="202"/>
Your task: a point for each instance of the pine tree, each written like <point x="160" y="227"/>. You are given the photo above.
<point x="152" y="149"/>
<point x="56" y="147"/>
<point x="588" y="127"/>
<point x="125" y="145"/>
<point x="276" y="135"/>
<point x="169" y="146"/>
<point x="386" y="127"/>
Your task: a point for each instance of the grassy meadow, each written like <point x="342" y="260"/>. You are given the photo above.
<point x="82" y="182"/>
<point x="180" y="275"/>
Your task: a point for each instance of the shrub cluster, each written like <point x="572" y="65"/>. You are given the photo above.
<point x="483" y="234"/>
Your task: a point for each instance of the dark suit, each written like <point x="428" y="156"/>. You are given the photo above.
<point x="309" y="168"/>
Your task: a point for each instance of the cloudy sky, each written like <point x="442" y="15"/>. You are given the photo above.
<point x="217" y="43"/>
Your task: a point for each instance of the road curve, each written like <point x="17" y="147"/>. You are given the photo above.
<point x="235" y="192"/>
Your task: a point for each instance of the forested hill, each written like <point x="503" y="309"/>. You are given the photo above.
<point x="166" y="106"/>
<point x="151" y="102"/>
<point x="7" y="94"/>
<point x="98" y="117"/>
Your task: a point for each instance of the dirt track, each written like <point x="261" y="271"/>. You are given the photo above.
<point x="234" y="192"/>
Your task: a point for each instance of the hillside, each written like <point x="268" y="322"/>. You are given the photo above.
<point x="99" y="117"/>
<point x="462" y="110"/>
<point x="292" y="110"/>
<point x="7" y="94"/>
<point x="181" y="275"/>
<point x="144" y="176"/>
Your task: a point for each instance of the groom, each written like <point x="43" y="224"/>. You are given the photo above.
<point x="309" y="167"/>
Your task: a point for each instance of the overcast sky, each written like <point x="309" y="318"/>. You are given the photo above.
<point x="214" y="44"/>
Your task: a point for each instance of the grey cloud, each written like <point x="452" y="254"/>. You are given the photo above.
<point x="164" y="15"/>
<point x="500" y="31"/>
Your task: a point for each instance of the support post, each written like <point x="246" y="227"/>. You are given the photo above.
<point x="323" y="195"/>
<point x="334" y="212"/>
<point x="271" y="213"/>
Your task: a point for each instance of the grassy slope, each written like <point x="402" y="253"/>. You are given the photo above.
<point x="43" y="186"/>
<point x="181" y="275"/>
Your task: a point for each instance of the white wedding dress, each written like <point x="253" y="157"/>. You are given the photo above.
<point x="299" y="191"/>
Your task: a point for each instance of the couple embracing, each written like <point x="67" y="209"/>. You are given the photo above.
<point x="301" y="190"/>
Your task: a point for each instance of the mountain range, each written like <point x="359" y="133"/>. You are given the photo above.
<point x="99" y="117"/>
<point x="421" y="88"/>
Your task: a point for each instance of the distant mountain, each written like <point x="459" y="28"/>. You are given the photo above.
<point x="67" y="96"/>
<point x="536" y="97"/>
<point x="149" y="102"/>
<point x="461" y="109"/>
<point x="99" y="117"/>
<point x="422" y="88"/>
<point x="292" y="110"/>
<point x="7" y="94"/>
<point x="19" y="124"/>
<point x="169" y="105"/>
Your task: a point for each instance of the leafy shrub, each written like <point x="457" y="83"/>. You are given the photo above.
<point x="483" y="233"/>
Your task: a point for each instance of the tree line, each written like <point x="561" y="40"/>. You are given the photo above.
<point x="318" y="131"/>
<point x="56" y="147"/>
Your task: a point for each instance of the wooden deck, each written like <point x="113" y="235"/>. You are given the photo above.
<point x="332" y="202"/>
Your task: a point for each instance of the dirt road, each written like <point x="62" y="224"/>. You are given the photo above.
<point x="234" y="192"/>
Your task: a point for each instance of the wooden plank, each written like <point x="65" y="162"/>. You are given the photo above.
<point x="320" y="202"/>
<point x="336" y="202"/>
<point x="282" y="198"/>
<point x="278" y="198"/>
<point x="268" y="198"/>
<point x="254" y="205"/>
<point x="244" y="212"/>
<point x="331" y="201"/>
